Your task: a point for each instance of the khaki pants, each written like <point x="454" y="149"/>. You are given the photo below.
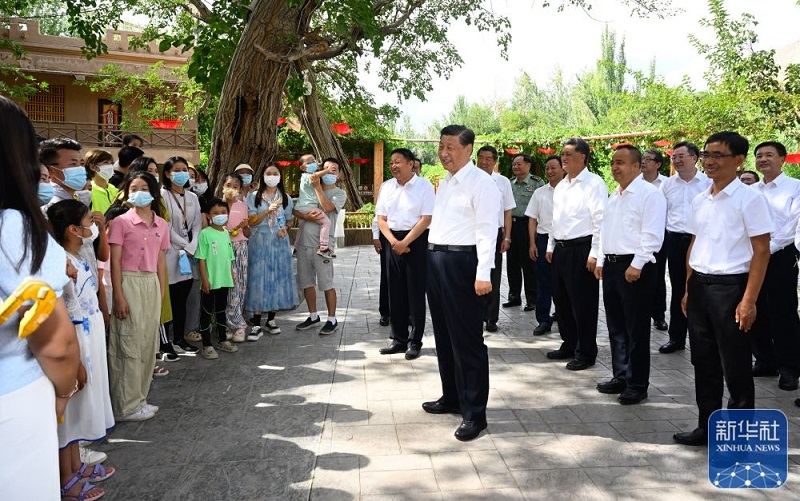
<point x="133" y="343"/>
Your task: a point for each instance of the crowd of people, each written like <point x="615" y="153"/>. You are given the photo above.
<point x="144" y="264"/>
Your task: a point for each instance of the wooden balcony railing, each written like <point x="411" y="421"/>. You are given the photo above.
<point x="94" y="135"/>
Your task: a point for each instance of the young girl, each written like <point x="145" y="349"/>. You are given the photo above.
<point x="138" y="240"/>
<point x="88" y="415"/>
<point x="239" y="231"/>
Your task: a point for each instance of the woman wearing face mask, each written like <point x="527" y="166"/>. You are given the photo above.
<point x="99" y="166"/>
<point x="139" y="238"/>
<point x="246" y="172"/>
<point x="46" y="190"/>
<point x="270" y="280"/>
<point x="239" y="230"/>
<point x="185" y="222"/>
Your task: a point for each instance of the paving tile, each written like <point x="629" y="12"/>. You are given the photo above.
<point x="397" y="482"/>
<point x="397" y="462"/>
<point x="568" y="483"/>
<point x="455" y="472"/>
<point x="493" y="494"/>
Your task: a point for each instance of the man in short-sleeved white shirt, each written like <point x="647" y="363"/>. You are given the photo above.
<point x="404" y="213"/>
<point x="487" y="160"/>
<point x="728" y="257"/>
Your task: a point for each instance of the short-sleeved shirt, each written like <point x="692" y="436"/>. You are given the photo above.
<point x="723" y="226"/>
<point x="540" y="208"/>
<point x="215" y="248"/>
<point x="309" y="237"/>
<point x="523" y="191"/>
<point x="141" y="243"/>
<point x="507" y="201"/>
<point x="102" y="198"/>
<point x="404" y="205"/>
<point x="17" y="365"/>
<point x="307" y="195"/>
<point x="238" y="213"/>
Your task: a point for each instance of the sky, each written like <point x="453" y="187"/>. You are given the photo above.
<point x="544" y="39"/>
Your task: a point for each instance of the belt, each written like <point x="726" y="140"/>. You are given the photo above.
<point x="574" y="241"/>
<point x="616" y="258"/>
<point x="517" y="219"/>
<point x="452" y="248"/>
<point x="542" y="234"/>
<point x="705" y="278"/>
<point x="680" y="235"/>
<point x="400" y="233"/>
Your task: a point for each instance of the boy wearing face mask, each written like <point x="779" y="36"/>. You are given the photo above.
<point x="307" y="201"/>
<point x="215" y="256"/>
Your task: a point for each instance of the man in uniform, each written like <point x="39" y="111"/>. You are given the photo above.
<point x="461" y="246"/>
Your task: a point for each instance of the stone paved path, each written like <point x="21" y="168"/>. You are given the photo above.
<point x="299" y="416"/>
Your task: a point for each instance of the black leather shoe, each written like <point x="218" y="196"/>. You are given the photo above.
<point x="469" y="430"/>
<point x="395" y="347"/>
<point x="579" y="365"/>
<point x="660" y="325"/>
<point x="384" y="321"/>
<point x="631" y="396"/>
<point x="787" y="381"/>
<point x="559" y="355"/>
<point x="761" y="370"/>
<point x="613" y="387"/>
<point x="671" y="347"/>
<point x="512" y="303"/>
<point x="529" y="307"/>
<point x="541" y="330"/>
<point x="438" y="407"/>
<point x="696" y="437"/>
<point x="491" y="326"/>
<point x="412" y="352"/>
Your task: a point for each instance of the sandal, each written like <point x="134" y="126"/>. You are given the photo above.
<point x="159" y="371"/>
<point x="98" y="474"/>
<point x="83" y="495"/>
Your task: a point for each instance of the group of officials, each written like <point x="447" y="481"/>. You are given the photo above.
<point x="720" y="239"/>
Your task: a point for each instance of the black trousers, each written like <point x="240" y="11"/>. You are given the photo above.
<point x="213" y="305"/>
<point x="719" y="349"/>
<point x="383" y="302"/>
<point x="178" y="295"/>
<point x="544" y="282"/>
<point x="407" y="282"/>
<point x="628" y="321"/>
<point x="677" y="245"/>
<point x="776" y="331"/>
<point x="493" y="302"/>
<point x="456" y="312"/>
<point x="659" y="301"/>
<point x="576" y="294"/>
<point x="519" y="265"/>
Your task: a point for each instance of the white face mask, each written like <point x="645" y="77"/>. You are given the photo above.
<point x="95" y="233"/>
<point x="272" y="181"/>
<point x="200" y="188"/>
<point x="105" y="171"/>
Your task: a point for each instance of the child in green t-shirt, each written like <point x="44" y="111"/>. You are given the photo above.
<point x="215" y="257"/>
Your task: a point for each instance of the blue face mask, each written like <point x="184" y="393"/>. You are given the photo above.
<point x="220" y="219"/>
<point x="46" y="193"/>
<point x="329" y="179"/>
<point x="247" y="179"/>
<point x="311" y="167"/>
<point x="74" y="177"/>
<point x="180" y="178"/>
<point x="140" y="198"/>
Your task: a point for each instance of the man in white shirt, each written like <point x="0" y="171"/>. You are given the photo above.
<point x="727" y="260"/>
<point x="573" y="249"/>
<point x="461" y="246"/>
<point x="540" y="224"/>
<point x="631" y="234"/>
<point x="776" y="331"/>
<point x="381" y="247"/>
<point x="487" y="160"/>
<point x="404" y="213"/>
<point x="652" y="160"/>
<point x="679" y="190"/>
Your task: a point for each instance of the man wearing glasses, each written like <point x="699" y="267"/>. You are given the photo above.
<point x="652" y="160"/>
<point x="730" y="226"/>
<point x="679" y="190"/>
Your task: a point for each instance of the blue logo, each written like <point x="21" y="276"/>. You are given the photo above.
<point x="748" y="449"/>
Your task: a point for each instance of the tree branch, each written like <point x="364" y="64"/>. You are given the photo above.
<point x="203" y="12"/>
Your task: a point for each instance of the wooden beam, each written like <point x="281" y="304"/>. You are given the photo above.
<point x="377" y="174"/>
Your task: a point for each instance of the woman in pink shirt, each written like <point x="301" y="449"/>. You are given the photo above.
<point x="239" y="230"/>
<point x="138" y="240"/>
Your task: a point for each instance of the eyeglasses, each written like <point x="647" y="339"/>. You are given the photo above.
<point x="704" y="155"/>
<point x="682" y="156"/>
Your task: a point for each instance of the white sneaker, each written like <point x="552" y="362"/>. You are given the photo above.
<point x="142" y="414"/>
<point x="151" y="408"/>
<point x="238" y="336"/>
<point x="273" y="328"/>
<point x="90" y="457"/>
<point x="255" y="333"/>
<point x="227" y="347"/>
<point x="209" y="353"/>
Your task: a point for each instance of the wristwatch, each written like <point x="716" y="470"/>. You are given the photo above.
<point x="507" y="240"/>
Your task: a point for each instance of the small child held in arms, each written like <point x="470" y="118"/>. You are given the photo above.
<point x="307" y="200"/>
<point x="215" y="258"/>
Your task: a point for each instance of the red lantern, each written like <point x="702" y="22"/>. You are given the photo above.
<point x="281" y="121"/>
<point x="165" y="124"/>
<point x="362" y="161"/>
<point x="662" y="143"/>
<point x="793" y="158"/>
<point x="546" y="151"/>
<point x="341" y="128"/>
<point x="295" y="162"/>
<point x="284" y="163"/>
<point x="669" y="153"/>
<point x="512" y="151"/>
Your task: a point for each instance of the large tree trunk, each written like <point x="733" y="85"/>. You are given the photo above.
<point x="245" y="126"/>
<point x="323" y="141"/>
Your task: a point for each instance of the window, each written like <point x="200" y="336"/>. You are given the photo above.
<point x="47" y="105"/>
